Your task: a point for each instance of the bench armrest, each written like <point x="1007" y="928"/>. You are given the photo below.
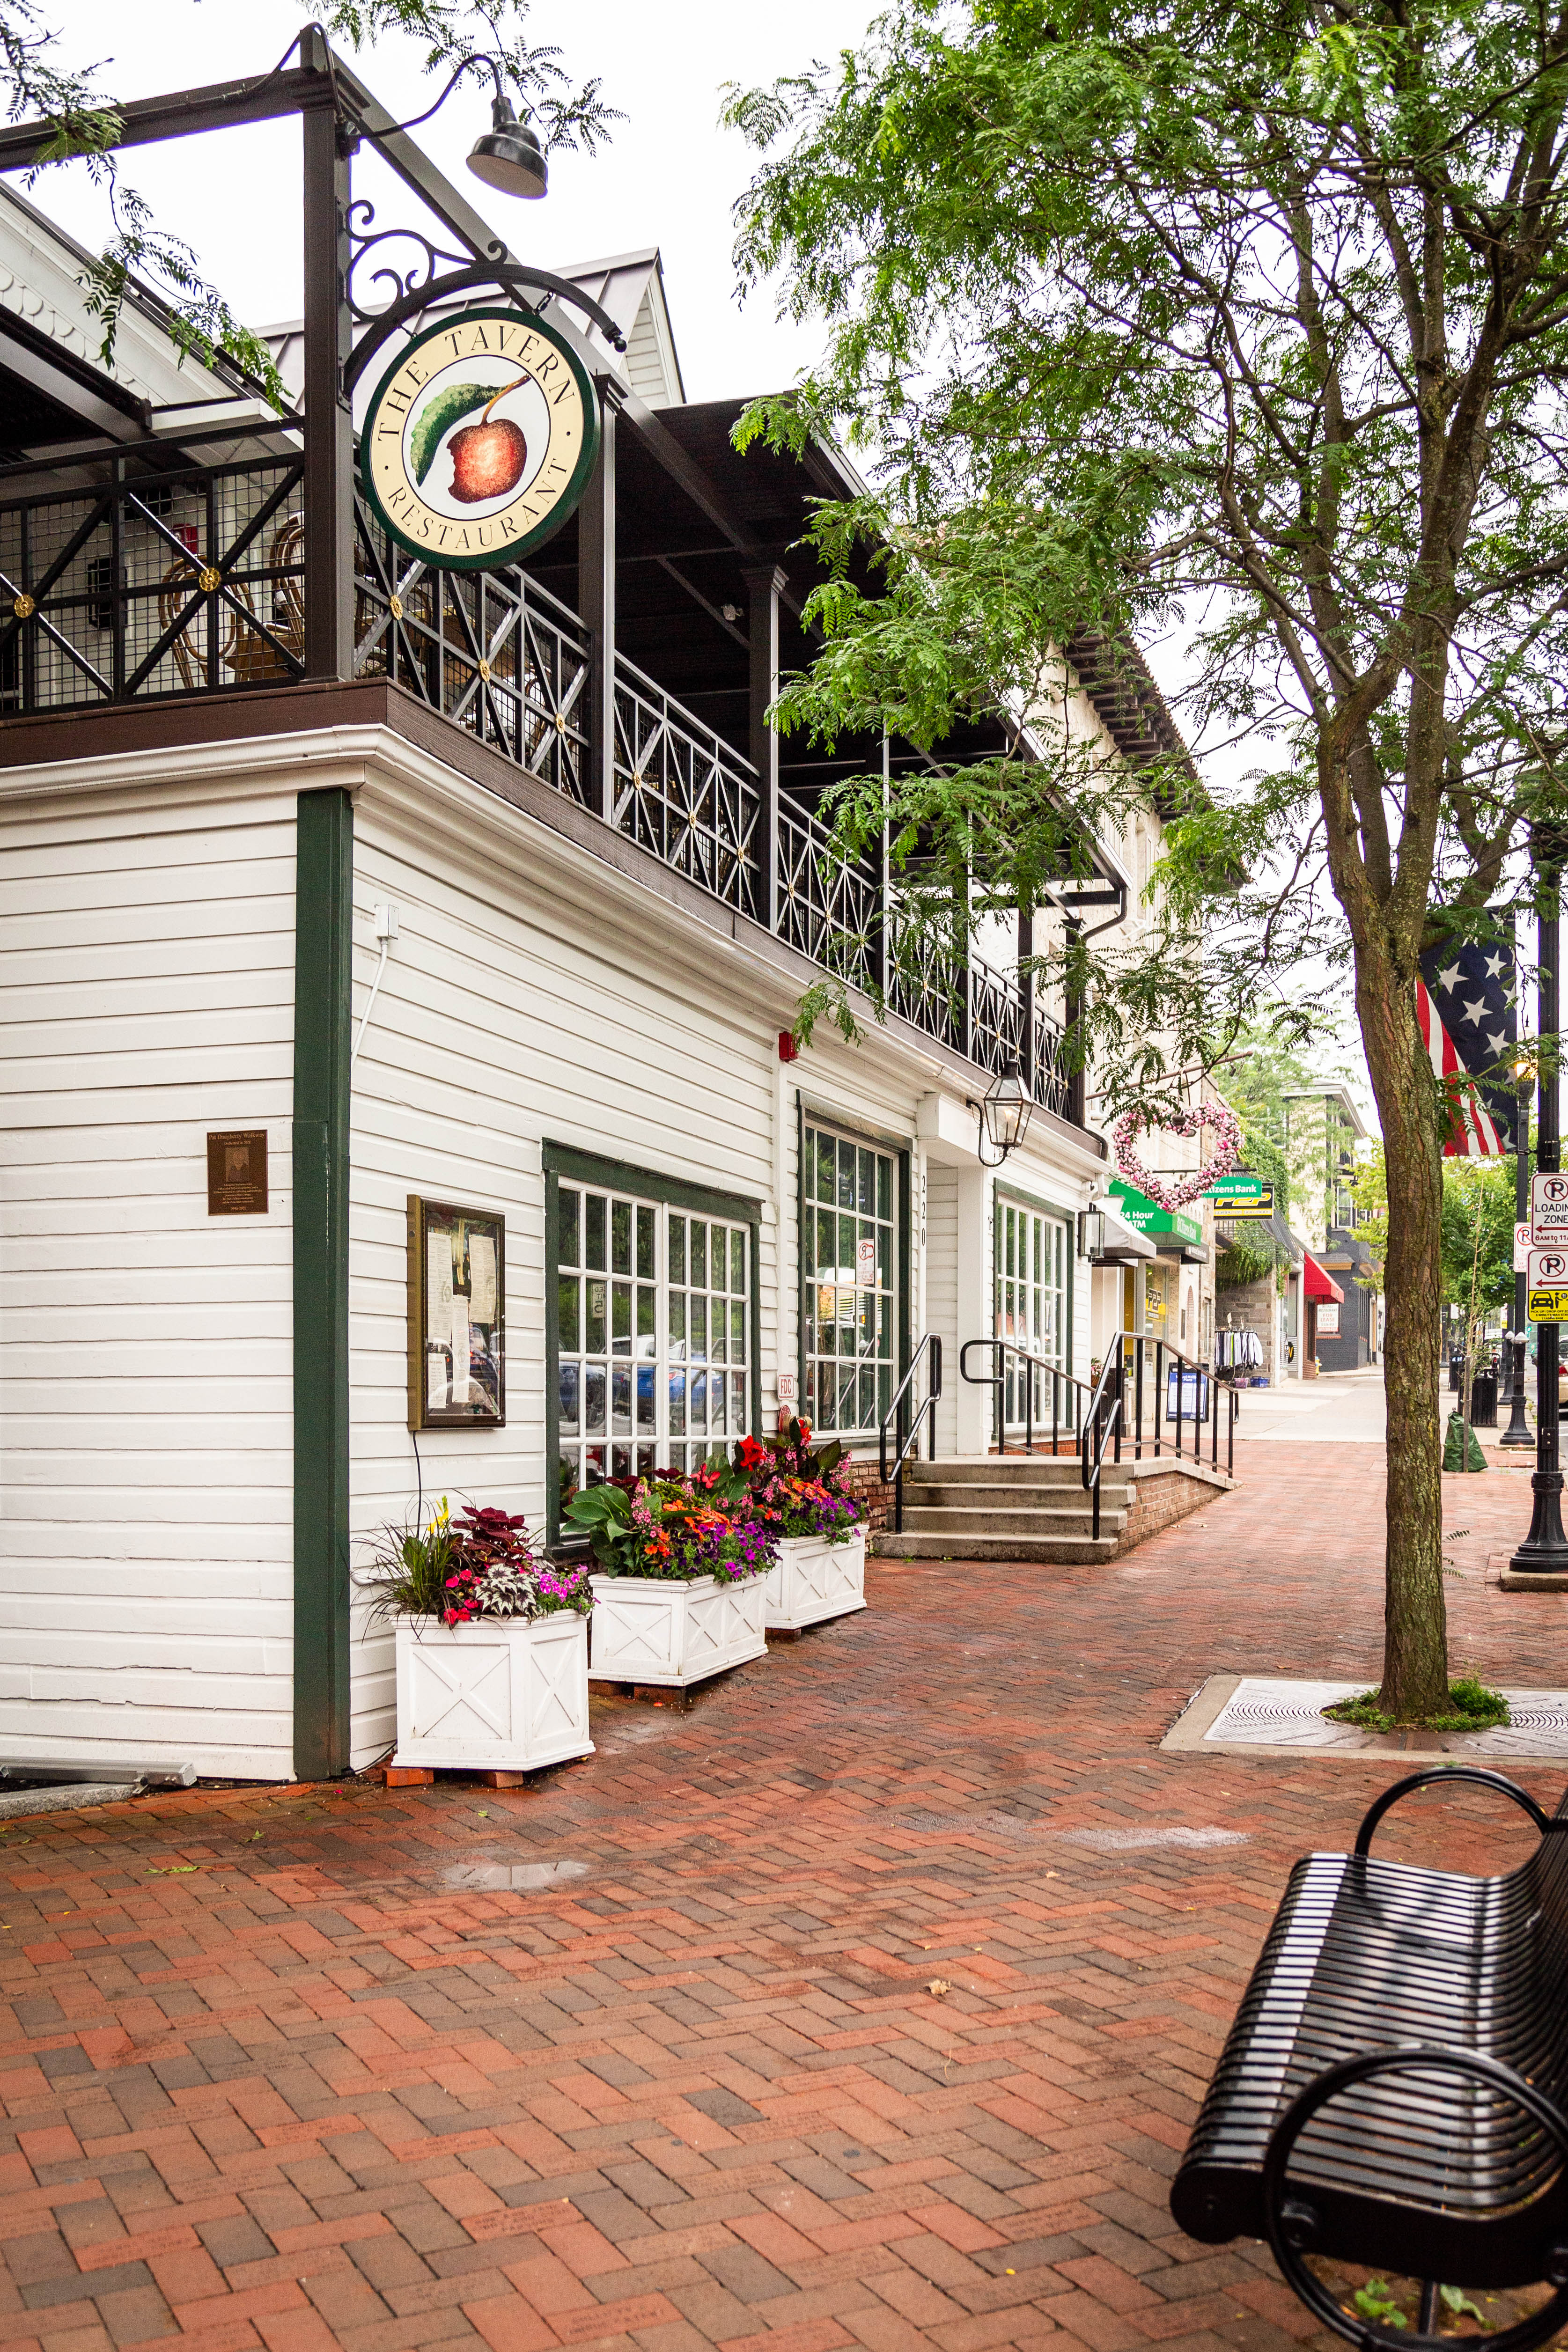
<point x="1291" y="2222"/>
<point x="1446" y="1772"/>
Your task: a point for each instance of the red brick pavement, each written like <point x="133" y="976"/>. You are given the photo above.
<point x="648" y="2053"/>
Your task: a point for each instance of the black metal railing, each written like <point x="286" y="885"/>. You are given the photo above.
<point x="683" y="793"/>
<point x="181" y="582"/>
<point x="1184" y="1392"/>
<point x="902" y="1421"/>
<point x="191" y="581"/>
<point x="493" y="652"/>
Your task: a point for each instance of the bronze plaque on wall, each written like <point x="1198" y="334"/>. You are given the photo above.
<point x="237" y="1174"/>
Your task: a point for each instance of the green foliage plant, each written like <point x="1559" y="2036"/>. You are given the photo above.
<point x="1250" y="322"/>
<point x="1471" y="1707"/>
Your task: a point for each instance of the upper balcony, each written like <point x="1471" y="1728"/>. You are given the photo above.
<point x="206" y="549"/>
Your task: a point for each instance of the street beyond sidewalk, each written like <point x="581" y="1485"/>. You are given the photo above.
<point x="867" y="2003"/>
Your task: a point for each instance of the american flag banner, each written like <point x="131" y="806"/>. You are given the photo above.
<point x="1466" y="1005"/>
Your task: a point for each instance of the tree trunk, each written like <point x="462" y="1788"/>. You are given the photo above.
<point x="1415" y="1636"/>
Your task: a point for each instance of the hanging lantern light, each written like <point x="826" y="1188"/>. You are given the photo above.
<point x="1003" y="1115"/>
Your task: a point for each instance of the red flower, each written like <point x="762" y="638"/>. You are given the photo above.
<point x="750" y="1454"/>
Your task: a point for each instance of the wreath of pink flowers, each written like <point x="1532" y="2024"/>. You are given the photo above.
<point x="1217" y="1118"/>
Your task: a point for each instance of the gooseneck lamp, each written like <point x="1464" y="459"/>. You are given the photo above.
<point x="509" y="157"/>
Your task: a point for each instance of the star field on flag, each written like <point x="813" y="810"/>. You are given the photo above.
<point x="1467" y="1001"/>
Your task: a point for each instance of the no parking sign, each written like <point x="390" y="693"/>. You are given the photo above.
<point x="1546" y="1286"/>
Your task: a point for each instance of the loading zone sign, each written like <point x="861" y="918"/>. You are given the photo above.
<point x="1546" y="1286"/>
<point x="1549" y="1211"/>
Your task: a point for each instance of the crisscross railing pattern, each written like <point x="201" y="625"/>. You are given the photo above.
<point x="682" y="792"/>
<point x="191" y="581"/>
<point x="491" y="651"/>
<point x="176" y="582"/>
<point x="829" y="908"/>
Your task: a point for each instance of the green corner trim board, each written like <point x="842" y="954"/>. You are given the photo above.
<point x="323" y="909"/>
<point x="1147" y="1217"/>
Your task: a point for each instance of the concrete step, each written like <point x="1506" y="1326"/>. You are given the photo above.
<point x="1025" y="1469"/>
<point x="931" y="1494"/>
<point x="1042" y="1550"/>
<point x="1071" y="1519"/>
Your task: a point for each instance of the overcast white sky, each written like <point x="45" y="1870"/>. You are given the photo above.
<point x="668" y="178"/>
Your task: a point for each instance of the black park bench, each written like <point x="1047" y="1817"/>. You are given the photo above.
<point x="1395" y="2089"/>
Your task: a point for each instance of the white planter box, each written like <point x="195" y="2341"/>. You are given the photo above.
<point x="815" y="1580"/>
<point x="496" y="1695"/>
<point x="656" y="1630"/>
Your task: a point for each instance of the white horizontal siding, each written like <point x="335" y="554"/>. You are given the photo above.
<point x="511" y="1013"/>
<point x="146" y="996"/>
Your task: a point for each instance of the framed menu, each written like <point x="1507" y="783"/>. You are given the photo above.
<point x="456" y="1316"/>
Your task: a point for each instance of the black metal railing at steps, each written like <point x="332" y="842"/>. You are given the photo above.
<point x="902" y="1420"/>
<point x="1186" y="1394"/>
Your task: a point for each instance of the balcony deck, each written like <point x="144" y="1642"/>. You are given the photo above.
<point x="190" y="582"/>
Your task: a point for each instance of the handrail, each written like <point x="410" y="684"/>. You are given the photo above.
<point x="930" y="1346"/>
<point x="1085" y="1417"/>
<point x="1107" y="1423"/>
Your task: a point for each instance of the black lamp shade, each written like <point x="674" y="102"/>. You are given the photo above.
<point x="1006" y="1111"/>
<point x="509" y="156"/>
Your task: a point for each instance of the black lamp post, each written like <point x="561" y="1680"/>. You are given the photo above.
<point x="1518" y="1430"/>
<point x="1544" y="1551"/>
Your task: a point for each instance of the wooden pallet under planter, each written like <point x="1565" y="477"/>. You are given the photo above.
<point x="500" y="1694"/>
<point x="658" y="1629"/>
<point x="813" y="1580"/>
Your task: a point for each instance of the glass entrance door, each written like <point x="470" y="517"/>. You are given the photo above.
<point x="1031" y="1303"/>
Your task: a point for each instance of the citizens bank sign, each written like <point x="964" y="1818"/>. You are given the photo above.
<point x="480" y="439"/>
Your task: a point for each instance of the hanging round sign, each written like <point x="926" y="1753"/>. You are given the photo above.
<point x="480" y="439"/>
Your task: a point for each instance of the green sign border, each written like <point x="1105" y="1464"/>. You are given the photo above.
<point x="571" y="497"/>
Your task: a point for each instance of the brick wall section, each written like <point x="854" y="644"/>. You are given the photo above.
<point x="1159" y="1502"/>
<point x="863" y="1479"/>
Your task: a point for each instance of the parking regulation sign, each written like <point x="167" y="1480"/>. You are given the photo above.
<point x="1546" y="1286"/>
<point x="1521" y="1247"/>
<point x="1549" y="1210"/>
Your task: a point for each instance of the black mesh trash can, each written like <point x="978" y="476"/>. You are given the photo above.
<point x="1483" y="1400"/>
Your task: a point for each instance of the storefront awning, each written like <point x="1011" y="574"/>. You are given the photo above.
<point x="1316" y="1284"/>
<point x="1123" y="1244"/>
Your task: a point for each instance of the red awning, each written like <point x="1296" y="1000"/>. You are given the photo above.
<point x="1316" y="1284"/>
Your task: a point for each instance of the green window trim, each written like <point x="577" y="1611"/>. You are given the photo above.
<point x="563" y="1163"/>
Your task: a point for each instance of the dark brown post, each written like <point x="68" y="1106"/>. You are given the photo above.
<point x="1077" y="1079"/>
<point x="764" y="588"/>
<point x="1026" y="1002"/>
<point x="329" y="426"/>
<point x="596" y="606"/>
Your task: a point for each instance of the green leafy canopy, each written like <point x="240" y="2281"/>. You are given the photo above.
<point x="1245" y="323"/>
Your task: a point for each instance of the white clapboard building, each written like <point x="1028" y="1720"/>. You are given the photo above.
<point x="395" y="960"/>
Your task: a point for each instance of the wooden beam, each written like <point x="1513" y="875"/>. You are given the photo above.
<point x="329" y="428"/>
<point x="764" y="585"/>
<point x="596" y="602"/>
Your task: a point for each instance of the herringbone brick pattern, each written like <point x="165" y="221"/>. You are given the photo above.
<point x="656" y="2051"/>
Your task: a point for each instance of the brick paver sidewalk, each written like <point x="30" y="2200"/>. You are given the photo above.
<point x="649" y="2053"/>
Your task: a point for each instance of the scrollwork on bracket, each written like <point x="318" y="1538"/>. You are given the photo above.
<point x="399" y="283"/>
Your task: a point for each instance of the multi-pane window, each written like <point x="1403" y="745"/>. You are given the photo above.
<point x="653" y="1335"/>
<point x="1031" y="1301"/>
<point x="849" y="1262"/>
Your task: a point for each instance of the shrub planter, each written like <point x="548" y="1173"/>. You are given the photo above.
<point x="815" y="1578"/>
<point x="664" y="1629"/>
<point x="500" y="1694"/>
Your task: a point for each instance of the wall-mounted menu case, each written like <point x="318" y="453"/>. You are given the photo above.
<point x="456" y="1316"/>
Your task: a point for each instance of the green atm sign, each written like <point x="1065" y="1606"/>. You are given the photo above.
<point x="1240" y="1194"/>
<point x="1136" y="1209"/>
